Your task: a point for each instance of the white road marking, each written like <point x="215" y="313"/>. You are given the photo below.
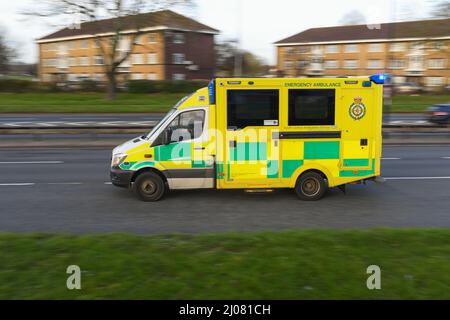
<point x="445" y="158"/>
<point x="390" y="158"/>
<point x="416" y="178"/>
<point x="108" y="183"/>
<point x="16" y="184"/>
<point x="32" y="162"/>
<point x="64" y="183"/>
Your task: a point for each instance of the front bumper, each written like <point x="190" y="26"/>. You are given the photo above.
<point x="121" y="178"/>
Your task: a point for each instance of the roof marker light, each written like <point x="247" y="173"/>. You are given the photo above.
<point x="379" y="78"/>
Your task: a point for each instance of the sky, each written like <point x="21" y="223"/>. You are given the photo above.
<point x="257" y="24"/>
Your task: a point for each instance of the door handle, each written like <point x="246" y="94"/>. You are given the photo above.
<point x="199" y="148"/>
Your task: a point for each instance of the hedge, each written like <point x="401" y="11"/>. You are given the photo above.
<point x="148" y="86"/>
<point x="133" y="86"/>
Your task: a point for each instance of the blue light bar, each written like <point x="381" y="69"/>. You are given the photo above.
<point x="379" y="78"/>
<point x="212" y="92"/>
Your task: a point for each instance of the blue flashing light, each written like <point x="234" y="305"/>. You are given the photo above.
<point x="379" y="78"/>
<point x="212" y="92"/>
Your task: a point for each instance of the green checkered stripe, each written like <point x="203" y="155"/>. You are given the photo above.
<point x="313" y="150"/>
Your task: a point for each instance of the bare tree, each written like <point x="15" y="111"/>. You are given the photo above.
<point x="441" y="10"/>
<point x="352" y="18"/>
<point x="6" y="54"/>
<point x="78" y="11"/>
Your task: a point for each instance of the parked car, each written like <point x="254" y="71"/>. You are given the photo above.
<point x="408" y="87"/>
<point x="439" y="113"/>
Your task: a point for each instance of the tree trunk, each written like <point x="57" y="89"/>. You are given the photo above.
<point x="111" y="86"/>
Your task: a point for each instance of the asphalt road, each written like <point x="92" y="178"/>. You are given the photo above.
<point x="67" y="190"/>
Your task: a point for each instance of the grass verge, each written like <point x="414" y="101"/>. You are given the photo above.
<point x="321" y="264"/>
<point x="146" y="103"/>
<point x="86" y="103"/>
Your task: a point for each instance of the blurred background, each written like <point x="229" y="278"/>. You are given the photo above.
<point x="78" y="78"/>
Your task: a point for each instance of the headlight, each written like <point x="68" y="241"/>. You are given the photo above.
<point x="117" y="159"/>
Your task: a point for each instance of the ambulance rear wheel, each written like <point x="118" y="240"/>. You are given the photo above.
<point x="149" y="187"/>
<point x="310" y="186"/>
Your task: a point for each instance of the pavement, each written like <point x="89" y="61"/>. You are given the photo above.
<point x="68" y="190"/>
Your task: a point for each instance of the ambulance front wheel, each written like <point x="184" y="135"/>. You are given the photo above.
<point x="149" y="187"/>
<point x="311" y="186"/>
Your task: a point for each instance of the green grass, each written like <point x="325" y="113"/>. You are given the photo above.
<point x="323" y="264"/>
<point x="416" y="103"/>
<point x="126" y="102"/>
<point x="86" y="102"/>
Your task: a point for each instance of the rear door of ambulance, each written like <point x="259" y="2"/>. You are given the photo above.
<point x="358" y="118"/>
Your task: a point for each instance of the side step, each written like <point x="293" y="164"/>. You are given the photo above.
<point x="258" y="190"/>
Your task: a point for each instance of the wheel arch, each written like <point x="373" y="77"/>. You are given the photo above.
<point x="312" y="168"/>
<point x="148" y="169"/>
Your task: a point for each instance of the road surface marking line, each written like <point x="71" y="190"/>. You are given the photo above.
<point x="64" y="183"/>
<point x="445" y="158"/>
<point x="416" y="178"/>
<point x="390" y="158"/>
<point x="16" y="184"/>
<point x="32" y="162"/>
<point x="108" y="183"/>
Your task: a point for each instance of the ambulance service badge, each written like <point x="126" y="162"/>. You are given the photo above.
<point x="357" y="109"/>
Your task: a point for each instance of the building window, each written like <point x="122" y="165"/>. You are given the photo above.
<point x="435" y="81"/>
<point x="316" y="49"/>
<point x="436" y="63"/>
<point x="72" y="62"/>
<point x="152" y="58"/>
<point x="351" y="64"/>
<point x="417" y="46"/>
<point x="331" y="64"/>
<point x="179" y="76"/>
<point x="396" y="64"/>
<point x="137" y="76"/>
<point x="375" y="47"/>
<point x="437" y="45"/>
<point x="252" y="108"/>
<point x="332" y="49"/>
<point x="178" y="58"/>
<point x="374" y="64"/>
<point x="152" y="37"/>
<point x="48" y="62"/>
<point x="311" y="107"/>
<point x="84" y="44"/>
<point x="138" y="39"/>
<point x="137" y="58"/>
<point x="288" y="65"/>
<point x="351" y="48"/>
<point x="397" y="47"/>
<point x="46" y="77"/>
<point x="84" y="61"/>
<point x="302" y="64"/>
<point x="152" y="76"/>
<point x="98" y="60"/>
<point x="178" y="38"/>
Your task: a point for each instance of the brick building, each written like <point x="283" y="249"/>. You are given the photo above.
<point x="414" y="52"/>
<point x="170" y="46"/>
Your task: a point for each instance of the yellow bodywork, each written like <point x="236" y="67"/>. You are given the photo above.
<point x="267" y="160"/>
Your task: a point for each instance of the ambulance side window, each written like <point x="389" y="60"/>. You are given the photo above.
<point x="309" y="107"/>
<point x="247" y="108"/>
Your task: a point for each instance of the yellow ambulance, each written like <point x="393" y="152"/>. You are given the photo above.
<point x="258" y="134"/>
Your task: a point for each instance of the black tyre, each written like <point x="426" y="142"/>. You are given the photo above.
<point x="311" y="186"/>
<point x="149" y="187"/>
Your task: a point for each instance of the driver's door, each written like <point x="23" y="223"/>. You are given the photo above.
<point x="180" y="150"/>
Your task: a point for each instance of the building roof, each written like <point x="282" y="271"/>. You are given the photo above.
<point x="165" y="19"/>
<point x="398" y="30"/>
